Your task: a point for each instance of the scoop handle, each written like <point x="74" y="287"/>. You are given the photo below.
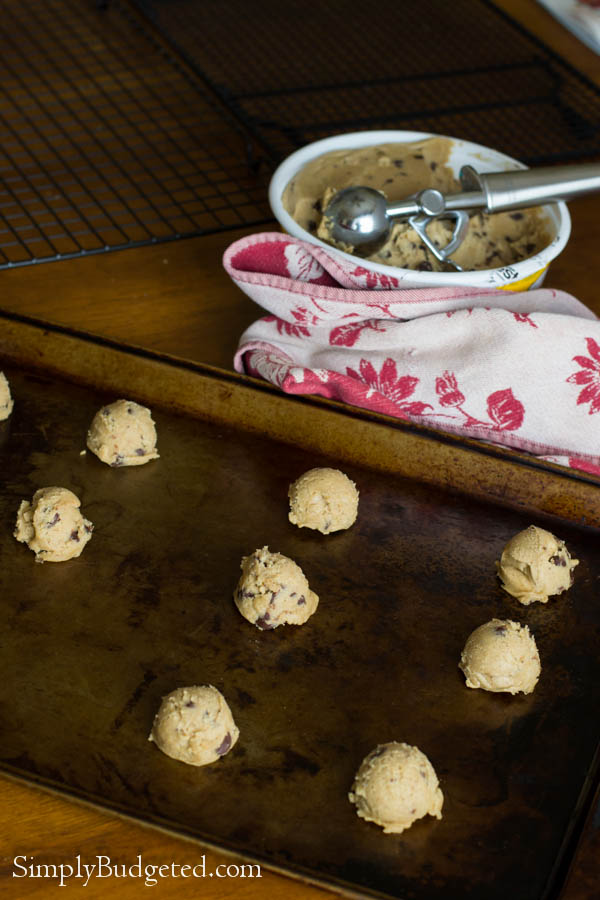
<point x="521" y="188"/>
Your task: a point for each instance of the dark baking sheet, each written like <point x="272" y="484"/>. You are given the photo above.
<point x="91" y="645"/>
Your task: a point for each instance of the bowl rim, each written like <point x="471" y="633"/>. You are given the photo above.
<point x="526" y="268"/>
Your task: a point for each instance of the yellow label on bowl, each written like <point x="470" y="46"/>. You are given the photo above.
<point x="524" y="284"/>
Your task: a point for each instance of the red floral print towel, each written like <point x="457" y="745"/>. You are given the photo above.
<point x="520" y="369"/>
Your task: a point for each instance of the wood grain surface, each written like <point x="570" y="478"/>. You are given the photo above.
<point x="176" y="298"/>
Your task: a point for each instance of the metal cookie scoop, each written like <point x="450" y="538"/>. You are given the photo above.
<point x="361" y="218"/>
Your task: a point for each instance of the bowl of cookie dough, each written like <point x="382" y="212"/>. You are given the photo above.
<point x="505" y="250"/>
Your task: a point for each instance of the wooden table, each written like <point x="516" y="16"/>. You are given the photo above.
<point x="176" y="298"/>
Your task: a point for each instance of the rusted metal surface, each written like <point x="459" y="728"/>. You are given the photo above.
<point x="90" y="646"/>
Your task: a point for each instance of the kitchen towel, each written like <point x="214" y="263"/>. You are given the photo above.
<point x="521" y="369"/>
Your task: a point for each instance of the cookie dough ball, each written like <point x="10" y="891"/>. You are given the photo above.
<point x="123" y="434"/>
<point x="6" y="401"/>
<point x="323" y="499"/>
<point x="501" y="656"/>
<point x="52" y="525"/>
<point x="194" y="725"/>
<point x="273" y="591"/>
<point x="535" y="565"/>
<point x="394" y="786"/>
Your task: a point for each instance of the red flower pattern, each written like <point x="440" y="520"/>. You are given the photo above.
<point x="389" y="384"/>
<point x="385" y="387"/>
<point x="299" y="329"/>
<point x="347" y="335"/>
<point x="446" y="388"/>
<point x="525" y="318"/>
<point x="505" y="412"/>
<point x="589" y="376"/>
<point x="374" y="279"/>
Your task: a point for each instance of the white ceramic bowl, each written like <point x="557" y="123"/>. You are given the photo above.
<point x="523" y="275"/>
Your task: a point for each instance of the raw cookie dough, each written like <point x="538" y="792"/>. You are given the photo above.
<point x="52" y="525"/>
<point x="399" y="170"/>
<point x="273" y="591"/>
<point x="194" y="725"/>
<point x="501" y="656"/>
<point x="394" y="786"/>
<point x="6" y="401"/>
<point x="535" y="565"/>
<point x="323" y="499"/>
<point x="123" y="434"/>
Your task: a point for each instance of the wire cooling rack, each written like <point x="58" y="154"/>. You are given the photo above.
<point x="309" y="70"/>
<point x="136" y="121"/>
<point x="106" y="140"/>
